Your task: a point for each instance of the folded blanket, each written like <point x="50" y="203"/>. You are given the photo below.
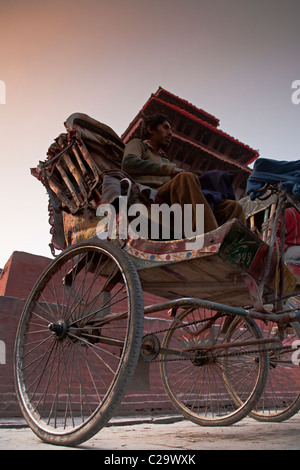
<point x="216" y="186"/>
<point x="274" y="171"/>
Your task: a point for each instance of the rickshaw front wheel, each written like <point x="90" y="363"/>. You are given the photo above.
<point x="78" y="342"/>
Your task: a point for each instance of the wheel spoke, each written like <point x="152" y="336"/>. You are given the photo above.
<point x="78" y="340"/>
<point x="220" y="380"/>
<point x="281" y="397"/>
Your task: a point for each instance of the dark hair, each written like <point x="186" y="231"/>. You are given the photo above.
<point x="152" y="122"/>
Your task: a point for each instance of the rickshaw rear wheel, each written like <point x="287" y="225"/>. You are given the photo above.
<point x="216" y="387"/>
<point x="78" y="342"/>
<point x="280" y="399"/>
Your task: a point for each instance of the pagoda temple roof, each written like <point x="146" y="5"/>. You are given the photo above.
<point x="164" y="98"/>
<point x="169" y="97"/>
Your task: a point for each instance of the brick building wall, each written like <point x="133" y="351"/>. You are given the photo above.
<point x="146" y="393"/>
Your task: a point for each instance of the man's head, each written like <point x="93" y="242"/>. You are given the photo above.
<point x="158" y="130"/>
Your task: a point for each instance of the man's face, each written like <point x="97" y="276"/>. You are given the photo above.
<point x="161" y="135"/>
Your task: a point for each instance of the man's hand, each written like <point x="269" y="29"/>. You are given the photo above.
<point x="176" y="171"/>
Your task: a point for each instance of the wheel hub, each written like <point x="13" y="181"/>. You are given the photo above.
<point x="202" y="359"/>
<point x="59" y="329"/>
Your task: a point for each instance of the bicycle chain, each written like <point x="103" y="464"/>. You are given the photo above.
<point x="196" y="322"/>
<point x="215" y="356"/>
<point x="212" y="356"/>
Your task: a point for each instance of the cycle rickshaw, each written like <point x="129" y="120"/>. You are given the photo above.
<point x="225" y="331"/>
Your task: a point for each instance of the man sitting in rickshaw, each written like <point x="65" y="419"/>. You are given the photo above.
<point x="146" y="162"/>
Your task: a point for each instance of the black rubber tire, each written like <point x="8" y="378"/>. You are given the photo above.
<point x="282" y="405"/>
<point x="202" y="390"/>
<point x="80" y="346"/>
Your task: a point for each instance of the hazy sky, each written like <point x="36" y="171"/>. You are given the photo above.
<point x="236" y="59"/>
